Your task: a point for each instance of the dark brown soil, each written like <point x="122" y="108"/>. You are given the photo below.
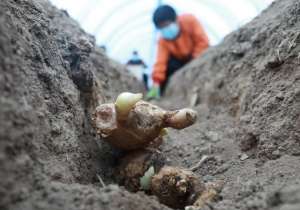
<point x="246" y="90"/>
<point x="49" y="156"/>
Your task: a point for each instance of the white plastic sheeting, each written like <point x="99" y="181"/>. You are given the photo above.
<point x="125" y="25"/>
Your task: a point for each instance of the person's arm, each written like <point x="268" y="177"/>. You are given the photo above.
<point x="160" y="67"/>
<point x="143" y="63"/>
<point x="159" y="71"/>
<point x="199" y="37"/>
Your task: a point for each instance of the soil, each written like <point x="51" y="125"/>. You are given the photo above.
<point x="246" y="91"/>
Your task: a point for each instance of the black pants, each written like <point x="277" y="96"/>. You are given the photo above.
<point x="145" y="81"/>
<point x="174" y="64"/>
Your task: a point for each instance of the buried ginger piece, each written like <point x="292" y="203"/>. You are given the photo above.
<point x="136" y="169"/>
<point x="173" y="186"/>
<point x="211" y="192"/>
<point x="131" y="123"/>
<point x="176" y="187"/>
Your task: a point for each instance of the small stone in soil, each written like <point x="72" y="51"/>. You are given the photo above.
<point x="244" y="157"/>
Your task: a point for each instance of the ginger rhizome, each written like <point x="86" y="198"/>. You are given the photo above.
<point x="173" y="186"/>
<point x="137" y="127"/>
<point x="131" y="123"/>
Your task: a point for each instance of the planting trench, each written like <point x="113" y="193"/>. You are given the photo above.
<point x="246" y="91"/>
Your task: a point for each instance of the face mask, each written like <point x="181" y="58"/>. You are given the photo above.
<point x="135" y="57"/>
<point x="170" y="32"/>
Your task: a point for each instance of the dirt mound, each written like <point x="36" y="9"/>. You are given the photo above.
<point x="254" y="76"/>
<point x="49" y="155"/>
<point x="246" y="90"/>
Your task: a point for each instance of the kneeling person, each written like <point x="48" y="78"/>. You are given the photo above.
<point x="182" y="39"/>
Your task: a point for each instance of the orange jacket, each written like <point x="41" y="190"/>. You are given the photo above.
<point x="192" y="41"/>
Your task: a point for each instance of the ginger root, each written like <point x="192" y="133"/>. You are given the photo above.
<point x="131" y="123"/>
<point x="137" y="127"/>
<point x="133" y="169"/>
<point x="173" y="186"/>
<point x="176" y="187"/>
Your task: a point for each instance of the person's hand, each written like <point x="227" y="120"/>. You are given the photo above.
<point x="154" y="92"/>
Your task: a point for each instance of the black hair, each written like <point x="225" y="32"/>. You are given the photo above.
<point x="164" y="13"/>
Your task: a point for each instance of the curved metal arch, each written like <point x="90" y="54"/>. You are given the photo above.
<point x="138" y="26"/>
<point x="131" y="22"/>
<point x="106" y="18"/>
<point x="87" y="11"/>
<point x="134" y="36"/>
<point x="218" y="8"/>
<point x="210" y="30"/>
<point x="214" y="4"/>
<point x="117" y="33"/>
<point x="221" y="9"/>
<point x="224" y="12"/>
<point x="258" y="4"/>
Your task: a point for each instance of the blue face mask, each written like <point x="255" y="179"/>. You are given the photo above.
<point x="170" y="32"/>
<point x="135" y="57"/>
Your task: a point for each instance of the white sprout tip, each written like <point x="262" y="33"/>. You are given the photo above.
<point x="125" y="102"/>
